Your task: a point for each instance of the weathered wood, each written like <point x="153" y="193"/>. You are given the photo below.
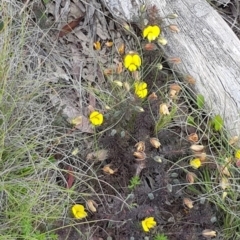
<point x="209" y="50"/>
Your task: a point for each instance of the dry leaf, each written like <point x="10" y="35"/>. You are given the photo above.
<point x="108" y="170"/>
<point x="190" y="177"/>
<point x="70" y="177"/>
<point x="155" y="142"/>
<point x="164" y="109"/>
<point x="188" y="202"/>
<point x="97" y="45"/>
<point x="197" y="148"/>
<point x="121" y="49"/>
<point x="193" y="137"/>
<point x="76" y="121"/>
<point x="108" y="71"/>
<point x="140" y="146"/>
<point x="119" y="68"/>
<point x="70" y="26"/>
<point x="208" y="233"/>
<point x="233" y="140"/>
<point x="140" y="156"/>
<point x="98" y="156"/>
<point x="85" y="126"/>
<point x="109" y="43"/>
<point x="92" y="205"/>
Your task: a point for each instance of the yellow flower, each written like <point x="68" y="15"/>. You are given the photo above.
<point x="237" y="154"/>
<point x="132" y="61"/>
<point x="195" y="163"/>
<point x="79" y="211"/>
<point x="151" y="32"/>
<point x="148" y="223"/>
<point x="96" y="118"/>
<point x="141" y="89"/>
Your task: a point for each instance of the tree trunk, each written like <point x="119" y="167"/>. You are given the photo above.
<point x="208" y="48"/>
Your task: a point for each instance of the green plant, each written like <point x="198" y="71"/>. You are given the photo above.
<point x="134" y="182"/>
<point x="164" y="120"/>
<point x="200" y="101"/>
<point x="217" y="123"/>
<point x="160" y="236"/>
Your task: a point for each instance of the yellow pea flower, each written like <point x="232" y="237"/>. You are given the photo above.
<point x="96" y="118"/>
<point x="237" y="154"/>
<point x="148" y="223"/>
<point x="141" y="89"/>
<point x="195" y="163"/>
<point x="132" y="61"/>
<point x="78" y="211"/>
<point x="151" y="32"/>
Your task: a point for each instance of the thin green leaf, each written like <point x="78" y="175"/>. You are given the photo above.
<point x="217" y="123"/>
<point x="200" y="101"/>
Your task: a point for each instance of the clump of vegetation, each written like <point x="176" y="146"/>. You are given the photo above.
<point x="160" y="237"/>
<point x="134" y="182"/>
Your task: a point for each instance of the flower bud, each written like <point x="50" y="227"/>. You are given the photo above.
<point x="162" y="41"/>
<point x="190" y="177"/>
<point x="174" y="28"/>
<point x="118" y="83"/>
<point x="140" y="156"/>
<point x="140" y="146"/>
<point x="208" y="233"/>
<point x="172" y="16"/>
<point x="188" y="202"/>
<point x="164" y="109"/>
<point x="155" y="142"/>
<point x="91" y="205"/>
<point x="159" y="66"/>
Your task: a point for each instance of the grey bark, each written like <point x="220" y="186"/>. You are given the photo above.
<point x="208" y="48"/>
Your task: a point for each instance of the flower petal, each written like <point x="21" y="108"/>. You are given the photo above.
<point x="136" y="60"/>
<point x="96" y="118"/>
<point x="132" y="68"/>
<point x="146" y="31"/>
<point x="79" y="211"/>
<point x="156" y="30"/>
<point x="144" y="226"/>
<point x="195" y="163"/>
<point x="128" y="60"/>
<point x="141" y="89"/>
<point x="150" y="222"/>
